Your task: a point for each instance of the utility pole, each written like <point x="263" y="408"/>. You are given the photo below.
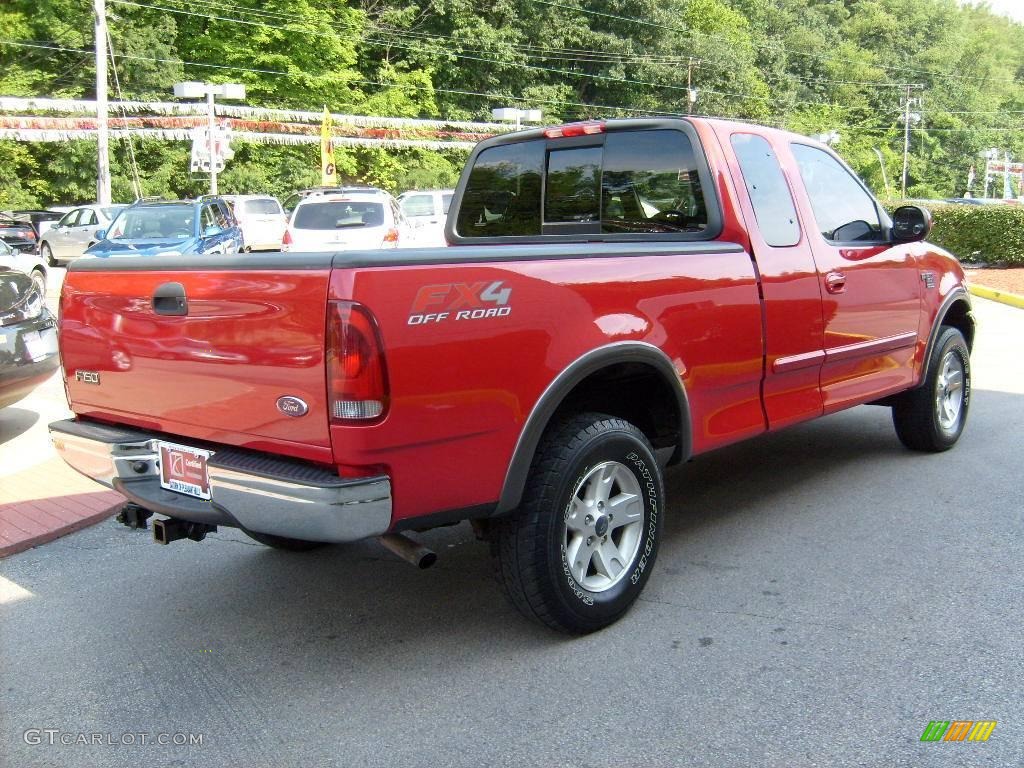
<point x="691" y="93"/>
<point x="102" y="134"/>
<point x="907" y="103"/>
<point x="211" y="129"/>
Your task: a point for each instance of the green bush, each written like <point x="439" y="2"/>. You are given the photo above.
<point x="993" y="234"/>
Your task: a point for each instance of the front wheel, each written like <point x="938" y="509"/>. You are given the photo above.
<point x="47" y="253"/>
<point x="577" y="553"/>
<point x="39" y="281"/>
<point x="931" y="417"/>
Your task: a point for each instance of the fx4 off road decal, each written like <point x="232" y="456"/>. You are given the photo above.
<point x="460" y="301"/>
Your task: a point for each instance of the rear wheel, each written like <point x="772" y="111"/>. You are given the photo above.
<point x="931" y="417"/>
<point x="47" y="253"/>
<point x="577" y="553"/>
<point x="283" y="542"/>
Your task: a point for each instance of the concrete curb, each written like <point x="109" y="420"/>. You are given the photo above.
<point x="1003" y="297"/>
<point x="55" y="533"/>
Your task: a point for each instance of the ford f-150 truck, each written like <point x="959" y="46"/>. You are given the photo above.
<point x="617" y="297"/>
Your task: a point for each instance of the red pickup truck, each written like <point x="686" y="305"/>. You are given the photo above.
<point x="618" y="297"/>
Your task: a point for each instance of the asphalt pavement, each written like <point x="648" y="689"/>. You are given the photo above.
<point x="821" y="595"/>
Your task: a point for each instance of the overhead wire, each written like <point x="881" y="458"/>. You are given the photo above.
<point x="766" y="45"/>
<point x="609" y="78"/>
<point x="406" y="86"/>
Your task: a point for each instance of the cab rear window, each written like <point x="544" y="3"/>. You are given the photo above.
<point x="626" y="182"/>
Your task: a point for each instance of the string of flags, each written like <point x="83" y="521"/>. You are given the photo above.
<point x="173" y="121"/>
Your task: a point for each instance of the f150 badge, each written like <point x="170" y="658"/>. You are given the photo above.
<point x="460" y="301"/>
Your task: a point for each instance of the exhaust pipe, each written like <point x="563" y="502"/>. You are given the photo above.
<point x="172" y="529"/>
<point x="409" y="550"/>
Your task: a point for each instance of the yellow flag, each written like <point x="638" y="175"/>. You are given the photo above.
<point x="328" y="170"/>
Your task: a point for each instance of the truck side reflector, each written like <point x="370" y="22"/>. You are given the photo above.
<point x="585" y="128"/>
<point x="356" y="378"/>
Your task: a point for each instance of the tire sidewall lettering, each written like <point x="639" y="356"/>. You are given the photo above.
<point x="647" y="475"/>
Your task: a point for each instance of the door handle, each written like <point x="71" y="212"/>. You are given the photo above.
<point x="835" y="282"/>
<point x="170" y="299"/>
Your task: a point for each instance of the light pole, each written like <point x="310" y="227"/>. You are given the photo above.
<point x="516" y="115"/>
<point x="193" y="90"/>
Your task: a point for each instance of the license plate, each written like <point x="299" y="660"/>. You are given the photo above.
<point x="183" y="470"/>
<point x="36" y="345"/>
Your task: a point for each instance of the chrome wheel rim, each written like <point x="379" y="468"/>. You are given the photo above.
<point x="603" y="526"/>
<point x="40" y="283"/>
<point x="949" y="391"/>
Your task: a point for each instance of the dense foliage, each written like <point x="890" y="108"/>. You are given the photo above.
<point x="808" y="65"/>
<point x="992" y="234"/>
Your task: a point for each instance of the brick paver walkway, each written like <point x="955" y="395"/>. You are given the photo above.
<point x="48" y="500"/>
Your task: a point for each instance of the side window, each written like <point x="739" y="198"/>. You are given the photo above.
<point x="69" y="218"/>
<point x="222" y="215"/>
<point x="418" y="205"/>
<point x="650" y="184"/>
<point x="87" y="219"/>
<point x="842" y="209"/>
<point x="502" y="195"/>
<point x="769" y="193"/>
<point x="207" y="220"/>
<point x="446" y="202"/>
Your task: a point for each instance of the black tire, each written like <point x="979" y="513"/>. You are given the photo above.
<point x="47" y="253"/>
<point x="920" y="420"/>
<point x="530" y="546"/>
<point x="283" y="542"/>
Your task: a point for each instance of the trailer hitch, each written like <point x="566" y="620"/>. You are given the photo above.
<point x="172" y="529"/>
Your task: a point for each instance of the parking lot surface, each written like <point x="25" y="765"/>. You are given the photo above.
<point x="821" y="595"/>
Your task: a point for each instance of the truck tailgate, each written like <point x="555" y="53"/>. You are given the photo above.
<point x="245" y="337"/>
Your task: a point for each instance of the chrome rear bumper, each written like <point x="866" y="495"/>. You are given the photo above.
<point x="248" y="490"/>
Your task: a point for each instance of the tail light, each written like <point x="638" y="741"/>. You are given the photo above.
<point x="286" y="241"/>
<point x="357" y="388"/>
<point x="391" y="238"/>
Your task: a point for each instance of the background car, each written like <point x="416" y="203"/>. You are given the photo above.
<point x="76" y="231"/>
<point x="28" y="262"/>
<point x="261" y="219"/>
<point x="171" y="228"/>
<point x="347" y="220"/>
<point x="28" y="337"/>
<point x="18" y="233"/>
<point x="428" y="210"/>
<point x="41" y="219"/>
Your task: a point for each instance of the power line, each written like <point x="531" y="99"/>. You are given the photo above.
<point x="406" y="86"/>
<point x="767" y="45"/>
<point x="570" y="73"/>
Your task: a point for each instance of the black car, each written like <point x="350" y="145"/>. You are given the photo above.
<point x="28" y="337"/>
<point x="18" y="232"/>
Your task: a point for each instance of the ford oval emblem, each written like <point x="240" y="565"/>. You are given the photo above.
<point x="292" y="406"/>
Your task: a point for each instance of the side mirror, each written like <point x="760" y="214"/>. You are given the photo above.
<point x="101" y="234"/>
<point x="911" y="223"/>
<point x="211" y="231"/>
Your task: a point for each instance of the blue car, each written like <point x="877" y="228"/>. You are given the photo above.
<point x="170" y="228"/>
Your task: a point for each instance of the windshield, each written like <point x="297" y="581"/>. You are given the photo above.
<point x="261" y="207"/>
<point x="165" y="221"/>
<point x="339" y="214"/>
<point x="112" y="211"/>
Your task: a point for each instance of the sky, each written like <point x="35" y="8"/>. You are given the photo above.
<point x="1012" y="8"/>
